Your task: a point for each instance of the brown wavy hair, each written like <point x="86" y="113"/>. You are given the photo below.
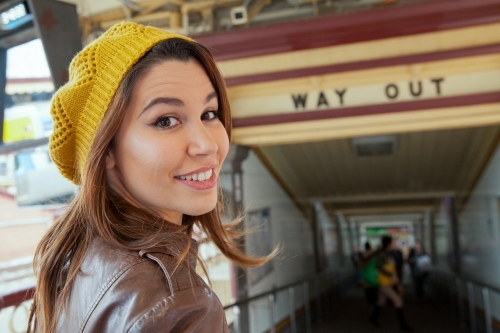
<point x="97" y="211"/>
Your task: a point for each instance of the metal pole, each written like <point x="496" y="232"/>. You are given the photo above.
<point x="291" y="302"/>
<point x="450" y="292"/>
<point x="3" y="94"/>
<point x="331" y="290"/>
<point x="308" y="310"/>
<point x="460" y="303"/>
<point x="236" y="313"/>
<point x="472" y="307"/>
<point x="318" y="299"/>
<point x="270" y="301"/>
<point x="487" y="310"/>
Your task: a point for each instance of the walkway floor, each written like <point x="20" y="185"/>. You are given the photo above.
<point x="424" y="316"/>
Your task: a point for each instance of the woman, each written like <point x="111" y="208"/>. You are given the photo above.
<point x="143" y="128"/>
<point x="421" y="265"/>
<point x="388" y="283"/>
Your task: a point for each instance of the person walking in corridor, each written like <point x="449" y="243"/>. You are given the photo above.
<point x="143" y="127"/>
<point x="421" y="266"/>
<point x="388" y="285"/>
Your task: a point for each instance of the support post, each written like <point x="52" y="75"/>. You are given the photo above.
<point x="319" y="249"/>
<point x="455" y="248"/>
<point x="494" y="219"/>
<point x="3" y="82"/>
<point x="239" y="154"/>
<point x="57" y="25"/>
<point x="432" y="236"/>
<point x="340" y="230"/>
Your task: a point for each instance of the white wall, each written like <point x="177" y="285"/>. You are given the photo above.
<point x="479" y="228"/>
<point x="289" y="229"/>
<point x="330" y="238"/>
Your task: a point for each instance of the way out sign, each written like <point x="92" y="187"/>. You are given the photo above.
<point x="331" y="97"/>
<point x="374" y="94"/>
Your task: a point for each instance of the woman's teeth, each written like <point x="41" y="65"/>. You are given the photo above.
<point x="198" y="176"/>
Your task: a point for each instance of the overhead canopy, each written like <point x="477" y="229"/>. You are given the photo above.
<point x="423" y="168"/>
<point x="426" y="74"/>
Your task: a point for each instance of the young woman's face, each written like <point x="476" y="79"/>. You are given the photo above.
<point x="170" y="147"/>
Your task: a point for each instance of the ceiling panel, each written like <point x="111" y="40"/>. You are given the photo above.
<point x="425" y="167"/>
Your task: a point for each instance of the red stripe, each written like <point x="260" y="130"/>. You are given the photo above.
<point x="16" y="298"/>
<point x="360" y="65"/>
<point x="421" y="105"/>
<point x="376" y="23"/>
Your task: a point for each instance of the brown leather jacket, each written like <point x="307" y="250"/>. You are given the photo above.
<point x="130" y="291"/>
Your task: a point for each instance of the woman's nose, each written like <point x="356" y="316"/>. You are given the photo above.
<point x="201" y="140"/>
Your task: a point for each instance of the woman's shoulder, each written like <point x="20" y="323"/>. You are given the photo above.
<point x="111" y="265"/>
<point x="117" y="287"/>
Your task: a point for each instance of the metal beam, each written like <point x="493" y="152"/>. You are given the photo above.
<point x="15" y="147"/>
<point x="256" y="9"/>
<point x="163" y="15"/>
<point x="385" y="210"/>
<point x="57" y="26"/>
<point x="383" y="197"/>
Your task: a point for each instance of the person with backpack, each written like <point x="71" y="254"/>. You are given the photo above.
<point x="421" y="265"/>
<point x="388" y="283"/>
<point x="369" y="278"/>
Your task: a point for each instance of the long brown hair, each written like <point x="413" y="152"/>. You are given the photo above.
<point x="98" y="211"/>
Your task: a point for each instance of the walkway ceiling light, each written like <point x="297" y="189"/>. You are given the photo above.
<point x="374" y="145"/>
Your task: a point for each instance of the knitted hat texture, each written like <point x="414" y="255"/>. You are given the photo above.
<point x="95" y="73"/>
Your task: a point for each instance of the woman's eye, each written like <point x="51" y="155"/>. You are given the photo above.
<point x="210" y="115"/>
<point x="166" y="122"/>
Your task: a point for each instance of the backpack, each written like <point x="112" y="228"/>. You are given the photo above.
<point x="370" y="275"/>
<point x="423" y="264"/>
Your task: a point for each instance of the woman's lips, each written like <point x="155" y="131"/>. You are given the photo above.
<point x="199" y="184"/>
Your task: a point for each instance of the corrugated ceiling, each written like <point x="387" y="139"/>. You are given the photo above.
<point x="425" y="167"/>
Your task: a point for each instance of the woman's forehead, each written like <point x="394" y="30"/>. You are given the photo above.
<point x="175" y="77"/>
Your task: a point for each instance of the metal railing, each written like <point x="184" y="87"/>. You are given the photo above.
<point x="15" y="302"/>
<point x="470" y="300"/>
<point x="308" y="300"/>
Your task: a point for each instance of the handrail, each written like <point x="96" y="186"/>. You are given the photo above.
<point x="322" y="283"/>
<point x="16" y="297"/>
<point x="471" y="302"/>
<point x="10" y="148"/>
<point x="476" y="282"/>
<point x="276" y="290"/>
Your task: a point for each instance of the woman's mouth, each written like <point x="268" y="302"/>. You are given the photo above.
<point x="198" y="176"/>
<point x="200" y="180"/>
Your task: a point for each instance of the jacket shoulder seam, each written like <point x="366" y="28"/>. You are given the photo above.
<point x="163" y="300"/>
<point x="104" y="289"/>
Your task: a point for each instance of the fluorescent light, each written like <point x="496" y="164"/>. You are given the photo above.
<point x="14" y="17"/>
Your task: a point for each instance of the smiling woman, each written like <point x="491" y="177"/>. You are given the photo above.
<point x="143" y="127"/>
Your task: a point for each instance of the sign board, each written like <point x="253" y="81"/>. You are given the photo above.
<point x="372" y="94"/>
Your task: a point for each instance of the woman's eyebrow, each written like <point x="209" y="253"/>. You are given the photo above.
<point x="164" y="100"/>
<point x="211" y="96"/>
<point x="174" y="101"/>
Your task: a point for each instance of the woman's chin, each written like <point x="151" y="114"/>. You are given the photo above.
<point x="200" y="209"/>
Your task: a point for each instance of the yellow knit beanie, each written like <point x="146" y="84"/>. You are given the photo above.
<point x="95" y="73"/>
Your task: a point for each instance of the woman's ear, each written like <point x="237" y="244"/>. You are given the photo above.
<point x="110" y="159"/>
